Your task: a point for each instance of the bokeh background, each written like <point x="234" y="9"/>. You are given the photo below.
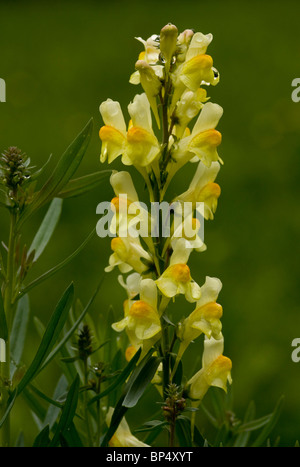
<point x="60" y="60"/>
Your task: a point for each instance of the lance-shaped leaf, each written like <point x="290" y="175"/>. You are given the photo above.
<point x="68" y="412"/>
<point x="56" y="268"/>
<point x="3" y="323"/>
<point x="134" y="389"/>
<point x="262" y="437"/>
<point x="51" y="335"/>
<point x="63" y="172"/>
<point x="18" y="332"/>
<point x="42" y="440"/>
<point x="46" y="229"/>
<point x="82" y="185"/>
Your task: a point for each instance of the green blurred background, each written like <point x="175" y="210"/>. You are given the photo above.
<point x="60" y="60"/>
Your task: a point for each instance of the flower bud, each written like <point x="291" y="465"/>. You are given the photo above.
<point x="168" y="43"/>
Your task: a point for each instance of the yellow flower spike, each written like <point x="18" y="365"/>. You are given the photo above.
<point x="113" y="134"/>
<point x="123" y="436"/>
<point x="215" y="371"/>
<point x="168" y="44"/>
<point x="151" y="85"/>
<point x="176" y="279"/>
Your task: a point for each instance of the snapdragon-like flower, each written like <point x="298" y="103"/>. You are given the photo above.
<point x="132" y="284"/>
<point x="123" y="436"/>
<point x="128" y="254"/>
<point x="127" y="209"/>
<point x="138" y="144"/>
<point x="141" y="319"/>
<point x="204" y="138"/>
<point x="197" y="68"/>
<point x="113" y="134"/>
<point x="205" y="318"/>
<point x="142" y="145"/>
<point x="215" y="371"/>
<point x="203" y="189"/>
<point x="176" y="279"/>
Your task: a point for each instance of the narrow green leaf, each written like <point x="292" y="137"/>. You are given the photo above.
<point x="140" y="382"/>
<point x="53" y="412"/>
<point x="3" y="323"/>
<point x="270" y="425"/>
<point x="68" y="412"/>
<point x="56" y="268"/>
<point x="120" y="379"/>
<point x="71" y="438"/>
<point x="42" y="440"/>
<point x="82" y="185"/>
<point x="152" y="425"/>
<point x="117" y="416"/>
<point x="63" y="172"/>
<point x="73" y="328"/>
<point x="46" y="229"/>
<point x="43" y="396"/>
<point x="254" y="424"/>
<point x="18" y="332"/>
<point x="52" y="332"/>
<point x="243" y="437"/>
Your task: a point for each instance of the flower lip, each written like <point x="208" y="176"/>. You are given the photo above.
<point x="141" y="309"/>
<point x="180" y="273"/>
<point x="211" y="310"/>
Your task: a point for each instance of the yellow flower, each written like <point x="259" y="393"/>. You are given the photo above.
<point x="142" y="146"/>
<point x="141" y="319"/>
<point x="197" y="69"/>
<point x="204" y="189"/>
<point x="113" y="134"/>
<point x="128" y="254"/>
<point x="215" y="371"/>
<point x="204" y="319"/>
<point x="151" y="52"/>
<point x="151" y="84"/>
<point x="128" y="211"/>
<point x="204" y="138"/>
<point x="187" y="108"/>
<point x="176" y="279"/>
<point x="123" y="436"/>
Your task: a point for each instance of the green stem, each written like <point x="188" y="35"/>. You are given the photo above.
<point x="8" y="308"/>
